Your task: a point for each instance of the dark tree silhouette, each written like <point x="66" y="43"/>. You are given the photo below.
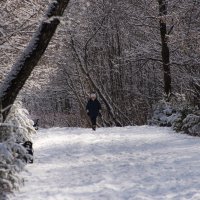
<point x="165" y="48"/>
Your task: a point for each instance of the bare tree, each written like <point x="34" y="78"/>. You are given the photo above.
<point x="23" y="67"/>
<point x="165" y="49"/>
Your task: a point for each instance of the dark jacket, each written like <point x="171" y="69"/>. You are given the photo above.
<point x="93" y="108"/>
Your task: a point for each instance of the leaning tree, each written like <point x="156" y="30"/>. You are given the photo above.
<point x="23" y="67"/>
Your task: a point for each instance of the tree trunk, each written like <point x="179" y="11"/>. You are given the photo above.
<point x="165" y="49"/>
<point x="22" y="69"/>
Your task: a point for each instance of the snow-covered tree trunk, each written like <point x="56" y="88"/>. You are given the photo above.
<point x="22" y="69"/>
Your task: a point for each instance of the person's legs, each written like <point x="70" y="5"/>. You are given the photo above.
<point x="93" y="120"/>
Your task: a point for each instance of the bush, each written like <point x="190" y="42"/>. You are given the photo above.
<point x="191" y="124"/>
<point x="10" y="164"/>
<point x="15" y="130"/>
<point x="180" y="116"/>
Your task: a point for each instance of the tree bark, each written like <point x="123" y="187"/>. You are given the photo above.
<point x="22" y="69"/>
<point x="165" y="49"/>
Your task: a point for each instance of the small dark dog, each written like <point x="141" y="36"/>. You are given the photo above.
<point x="28" y="145"/>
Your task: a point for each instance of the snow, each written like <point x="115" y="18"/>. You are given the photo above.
<point x="130" y="163"/>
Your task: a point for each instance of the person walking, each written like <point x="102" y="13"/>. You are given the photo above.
<point x="93" y="109"/>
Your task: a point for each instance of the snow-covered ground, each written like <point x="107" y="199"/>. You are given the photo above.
<point x="131" y="163"/>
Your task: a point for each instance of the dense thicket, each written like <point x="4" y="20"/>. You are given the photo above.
<point x="131" y="52"/>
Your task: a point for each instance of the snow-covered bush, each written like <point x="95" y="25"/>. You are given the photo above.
<point x="10" y="163"/>
<point x="22" y="125"/>
<point x="178" y="115"/>
<point x="163" y="114"/>
<point x="191" y="124"/>
<point x="16" y="129"/>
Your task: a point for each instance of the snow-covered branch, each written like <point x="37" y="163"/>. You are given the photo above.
<point x="22" y="69"/>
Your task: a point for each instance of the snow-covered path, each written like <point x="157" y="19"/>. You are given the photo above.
<point x="131" y="163"/>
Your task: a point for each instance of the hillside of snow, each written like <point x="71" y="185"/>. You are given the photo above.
<point x="130" y="163"/>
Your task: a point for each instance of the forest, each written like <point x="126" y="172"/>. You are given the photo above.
<point x="131" y="53"/>
<point x="140" y="57"/>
